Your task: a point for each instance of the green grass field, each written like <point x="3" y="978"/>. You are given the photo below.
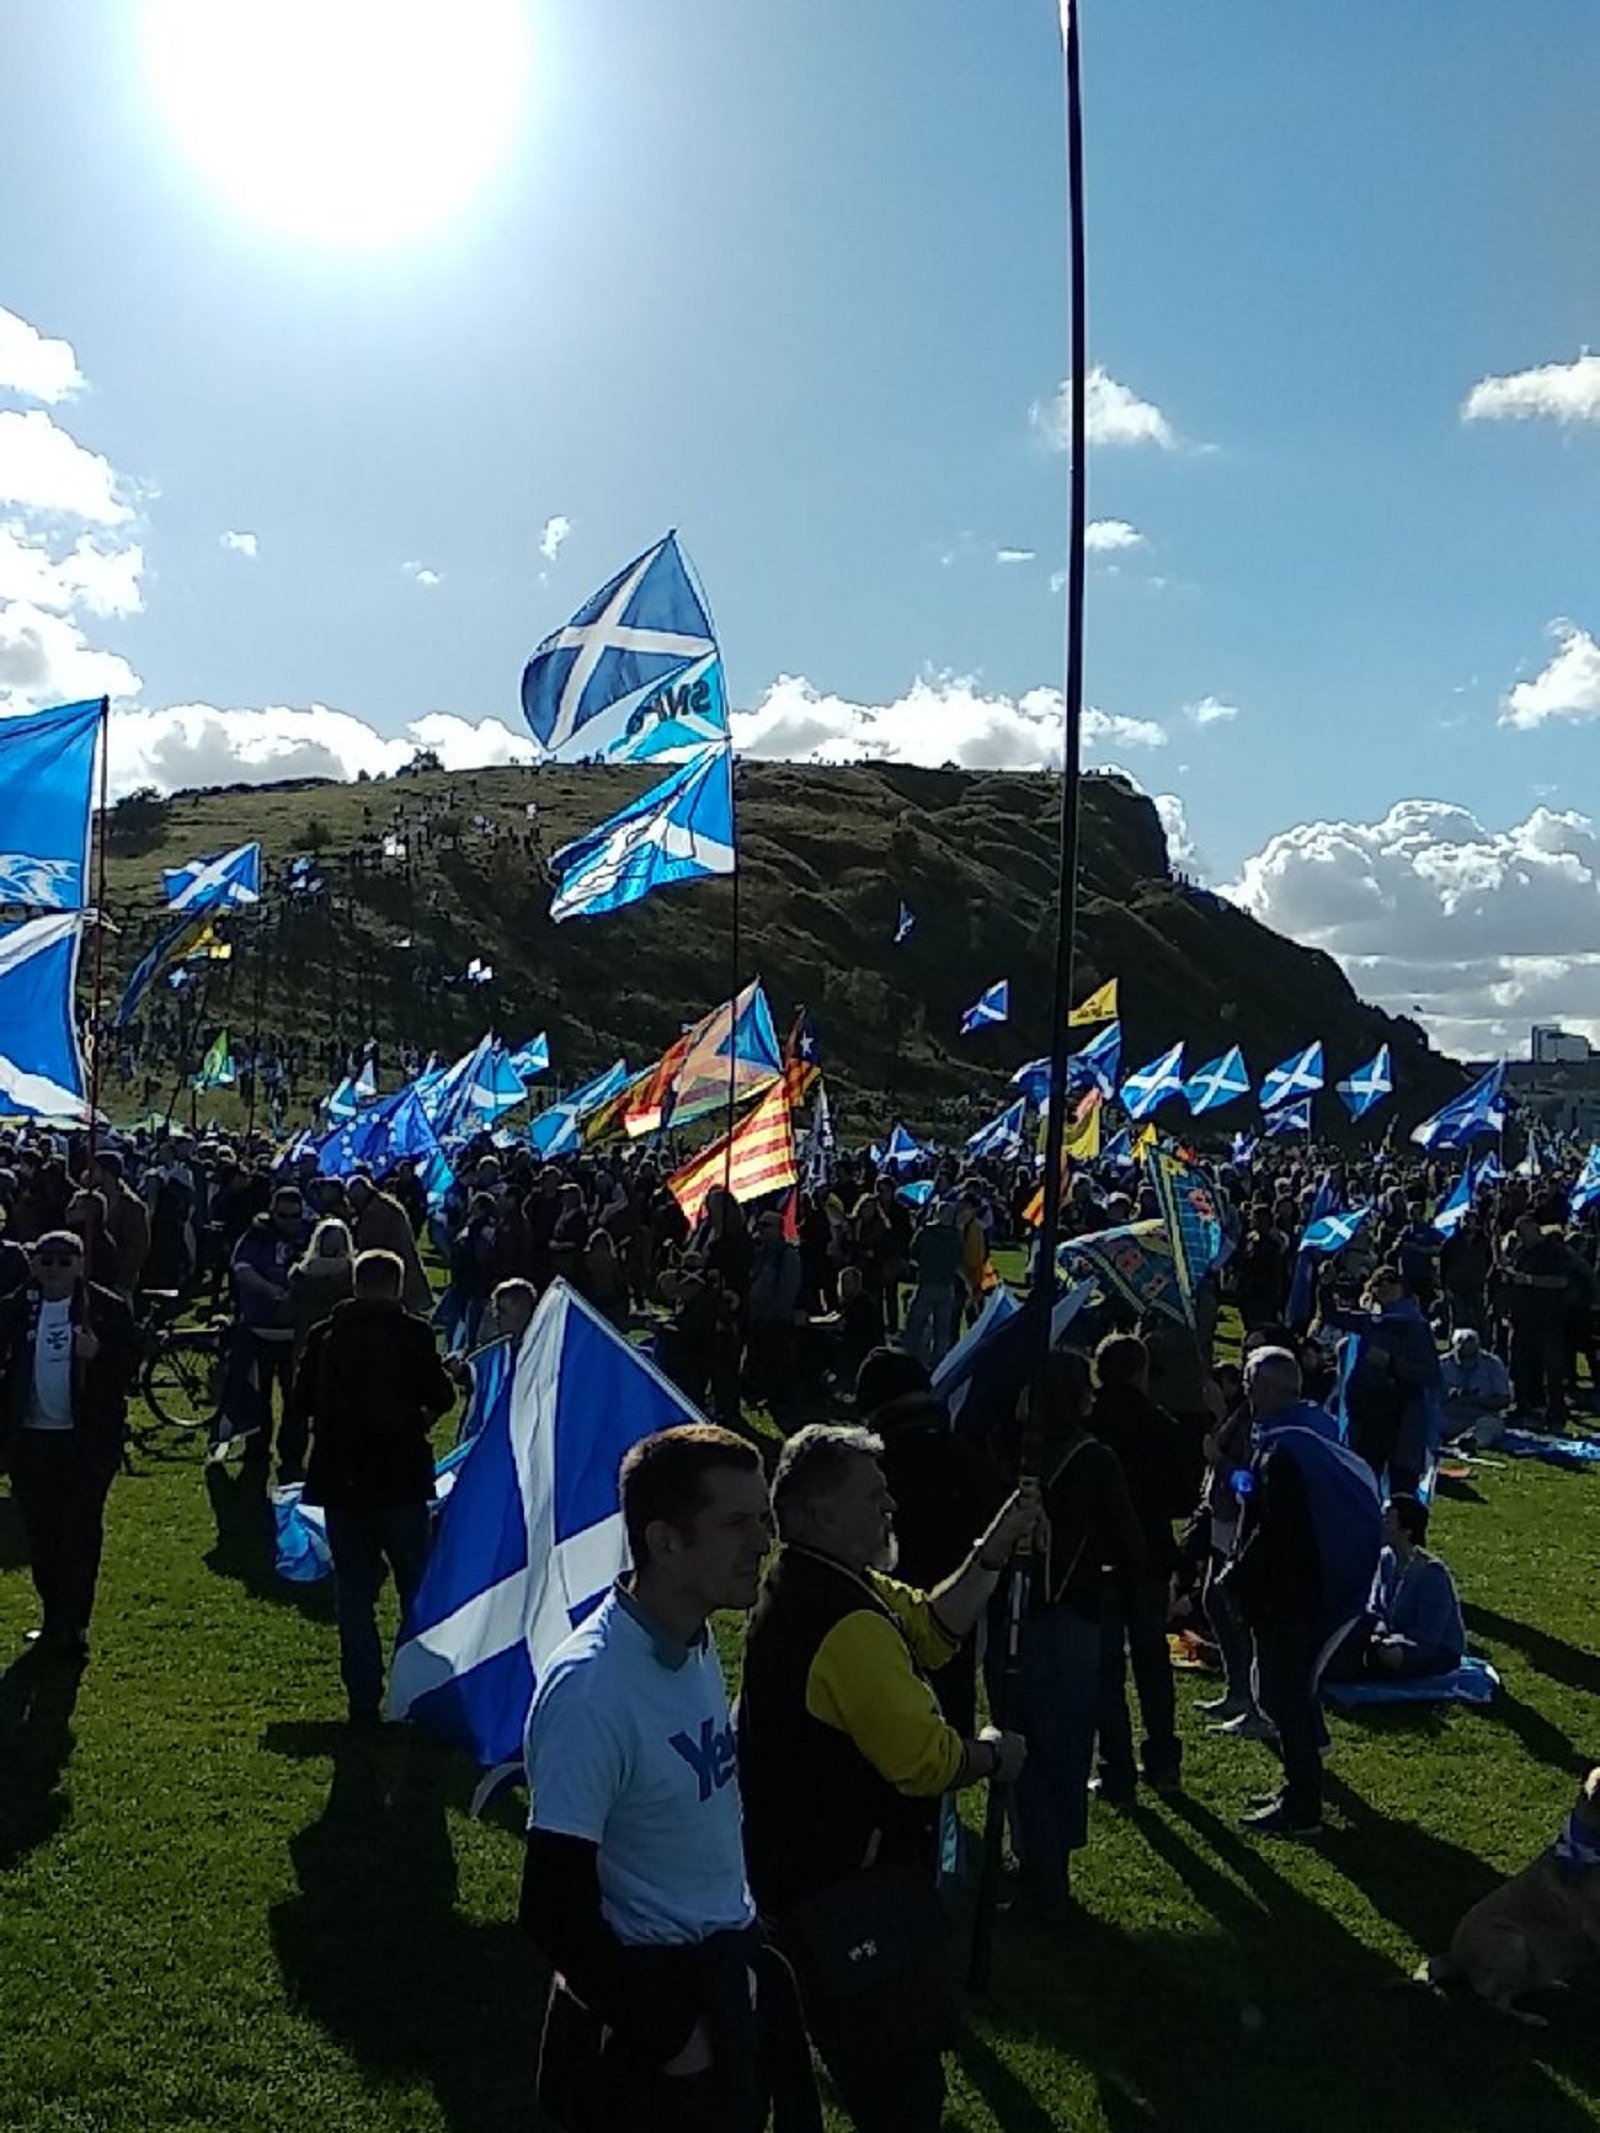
<point x="218" y="1909"/>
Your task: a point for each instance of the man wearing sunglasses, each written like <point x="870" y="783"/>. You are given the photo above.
<point x="68" y="1350"/>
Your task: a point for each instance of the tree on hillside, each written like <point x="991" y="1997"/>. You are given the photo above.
<point x="138" y="822"/>
<point x="423" y="759"/>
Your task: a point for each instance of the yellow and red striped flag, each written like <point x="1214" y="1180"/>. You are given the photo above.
<point x="762" y="1158"/>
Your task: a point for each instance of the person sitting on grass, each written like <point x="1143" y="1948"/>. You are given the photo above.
<point x="1477" y="1391"/>
<point x="1417" y="1630"/>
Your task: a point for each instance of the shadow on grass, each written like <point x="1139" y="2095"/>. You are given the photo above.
<point x="1563" y="1662"/>
<point x="246" y="1544"/>
<point x="38" y="1693"/>
<point x="374" y="1949"/>
<point x="13" y="1540"/>
<point x="1280" y="2015"/>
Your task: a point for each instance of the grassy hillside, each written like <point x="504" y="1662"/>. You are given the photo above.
<point x="827" y="853"/>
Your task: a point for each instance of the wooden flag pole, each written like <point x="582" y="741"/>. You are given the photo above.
<point x="1041" y="1298"/>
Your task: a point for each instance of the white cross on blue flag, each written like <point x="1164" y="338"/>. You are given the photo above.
<point x="1294" y="1078"/>
<point x="681" y="830"/>
<point x="1367" y="1085"/>
<point x="222" y="882"/>
<point x="991" y="1006"/>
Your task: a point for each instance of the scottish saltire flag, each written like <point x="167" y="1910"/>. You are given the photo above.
<point x="1190" y="1209"/>
<point x="1119" y="1149"/>
<point x="669" y="720"/>
<point x="558" y="1128"/>
<point x="1097" y="1065"/>
<point x="443" y="1090"/>
<point x="532" y="1059"/>
<point x="1296" y="1077"/>
<point x="637" y="631"/>
<point x="41" y="1067"/>
<point x="302" y="1555"/>
<point x="1478" y="1114"/>
<point x="680" y="830"/>
<point x="1587" y="1190"/>
<point x="982" y="1377"/>
<point x="491" y="1368"/>
<point x="495" y="1088"/>
<point x="991" y="1006"/>
<point x="217" y="1070"/>
<point x="1533" y="1161"/>
<point x="1218" y="1082"/>
<point x="1367" y="1085"/>
<point x="817" y="1165"/>
<point x="1329" y="1230"/>
<point x="1288" y="1118"/>
<point x="1462" y="1197"/>
<point x="1149" y="1086"/>
<point x="532" y="1537"/>
<point x="1002" y="1135"/>
<point x="905" y="925"/>
<point x="1244" y="1146"/>
<point x="223" y="882"/>
<point x="902" y="1150"/>
<point x="46" y="791"/>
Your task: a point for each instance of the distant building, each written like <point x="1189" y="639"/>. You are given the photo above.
<point x="1557" y="1047"/>
<point x="1564" y="1093"/>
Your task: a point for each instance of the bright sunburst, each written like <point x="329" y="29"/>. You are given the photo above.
<point x="343" y="122"/>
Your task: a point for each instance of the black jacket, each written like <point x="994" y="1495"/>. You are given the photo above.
<point x="945" y="1491"/>
<point x="99" y="1388"/>
<point x="371" y="1386"/>
<point x="1155" y="1463"/>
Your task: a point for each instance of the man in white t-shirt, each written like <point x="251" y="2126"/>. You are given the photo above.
<point x="68" y="1351"/>
<point x="666" y="2011"/>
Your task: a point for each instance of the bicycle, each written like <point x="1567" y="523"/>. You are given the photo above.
<point x="181" y="1379"/>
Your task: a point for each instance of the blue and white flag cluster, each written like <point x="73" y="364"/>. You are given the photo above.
<point x="903" y="1150"/>
<point x="532" y="1537"/>
<point x="41" y="1067"/>
<point x="46" y="797"/>
<point x="558" y="1130"/>
<point x="681" y="830"/>
<point x="226" y="881"/>
<point x="992" y="1006"/>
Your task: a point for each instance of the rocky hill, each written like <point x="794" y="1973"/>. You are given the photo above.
<point x="425" y="871"/>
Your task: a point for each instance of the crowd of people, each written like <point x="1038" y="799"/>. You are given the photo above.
<point x="713" y="1886"/>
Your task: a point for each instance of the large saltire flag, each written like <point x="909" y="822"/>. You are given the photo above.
<point x="755" y="1159"/>
<point x="1101" y="1006"/>
<point x="532" y="1538"/>
<point x="1001" y="1135"/>
<point x="217" y="1070"/>
<point x="1365" y="1086"/>
<point x="41" y="1067"/>
<point x="46" y="798"/>
<point x="1479" y="1113"/>
<point x="993" y="1005"/>
<point x="1190" y="1209"/>
<point x="1587" y="1190"/>
<point x="1293" y="1078"/>
<point x="637" y="632"/>
<point x="1329" y="1230"/>
<point x="680" y="830"/>
<point x="225" y="881"/>
<point x="1150" y="1086"/>
<point x="903" y="1151"/>
<point x="1218" y="1082"/>
<point x="558" y="1129"/>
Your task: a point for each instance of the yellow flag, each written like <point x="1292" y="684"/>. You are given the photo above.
<point x="1145" y="1141"/>
<point x="1080" y="1144"/>
<point x="1101" y="1006"/>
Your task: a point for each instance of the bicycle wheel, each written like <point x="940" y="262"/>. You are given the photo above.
<point x="182" y="1381"/>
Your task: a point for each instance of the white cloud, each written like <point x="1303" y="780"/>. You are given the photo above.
<point x="200" y="744"/>
<point x="940" y="719"/>
<point x="1105" y="536"/>
<point x="556" y="529"/>
<point x="32" y="364"/>
<point x="241" y="543"/>
<point x="45" y="658"/>
<point x="1112" y="412"/>
<point x="1014" y="555"/>
<point x="43" y="469"/>
<point x="1181" y="847"/>
<point x="1211" y="711"/>
<point x="1563" y="392"/>
<point x="1569" y="687"/>
<point x="100" y="581"/>
<point x="1480" y="930"/>
<point x="420" y="574"/>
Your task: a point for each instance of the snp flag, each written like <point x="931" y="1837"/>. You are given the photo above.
<point x="681" y="830"/>
<point x="531" y="1539"/>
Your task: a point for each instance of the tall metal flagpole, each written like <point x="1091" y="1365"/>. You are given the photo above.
<point x="1041" y="1298"/>
<point x="96" y="1011"/>
<point x="733" y="996"/>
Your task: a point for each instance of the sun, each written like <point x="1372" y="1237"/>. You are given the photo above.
<point x="342" y="122"/>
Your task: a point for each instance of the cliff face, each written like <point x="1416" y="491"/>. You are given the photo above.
<point x="827" y="854"/>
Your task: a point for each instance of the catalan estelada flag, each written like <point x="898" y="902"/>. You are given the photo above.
<point x="802" y="1058"/>
<point x="755" y="1159"/>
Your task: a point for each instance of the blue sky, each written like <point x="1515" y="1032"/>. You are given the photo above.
<point x="793" y="280"/>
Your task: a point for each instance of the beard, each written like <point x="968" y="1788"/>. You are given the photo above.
<point x="886" y="1556"/>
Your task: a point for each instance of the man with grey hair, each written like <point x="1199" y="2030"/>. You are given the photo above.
<point x="1272" y="1384"/>
<point x="845" y="1756"/>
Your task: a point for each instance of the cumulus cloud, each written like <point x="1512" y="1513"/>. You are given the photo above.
<point x="98" y="580"/>
<point x="1106" y="536"/>
<point x="1112" y="413"/>
<point x="1480" y="931"/>
<point x="43" y="469"/>
<point x="1558" y="392"/>
<point x="940" y="719"/>
<point x="1211" y="711"/>
<point x="45" y="658"/>
<point x="34" y="365"/>
<point x="1569" y="687"/>
<point x="1014" y="555"/>
<point x="201" y="744"/>
<point x="556" y="529"/>
<point x="420" y="574"/>
<point x="241" y="543"/>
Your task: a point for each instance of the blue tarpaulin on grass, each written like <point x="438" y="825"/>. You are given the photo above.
<point x="1474" y="1681"/>
<point x="1555" y="1451"/>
